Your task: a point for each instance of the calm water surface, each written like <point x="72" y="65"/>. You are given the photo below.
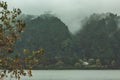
<point x="74" y="75"/>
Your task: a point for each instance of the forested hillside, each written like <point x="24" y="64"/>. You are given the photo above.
<point x="99" y="38"/>
<point x="97" y="43"/>
<point x="51" y="34"/>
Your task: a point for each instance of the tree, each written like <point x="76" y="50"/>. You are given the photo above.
<point x="98" y="63"/>
<point x="77" y="65"/>
<point x="91" y="61"/>
<point x="60" y="64"/>
<point x="95" y="39"/>
<point x="10" y="29"/>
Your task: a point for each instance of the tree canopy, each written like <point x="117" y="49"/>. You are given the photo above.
<point x="11" y="28"/>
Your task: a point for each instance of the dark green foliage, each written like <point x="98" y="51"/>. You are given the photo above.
<point x="98" y="37"/>
<point x="97" y="43"/>
<point x="49" y="33"/>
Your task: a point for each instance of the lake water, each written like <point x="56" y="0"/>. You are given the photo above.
<point x="74" y="75"/>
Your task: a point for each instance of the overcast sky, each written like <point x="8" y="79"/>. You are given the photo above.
<point x="69" y="11"/>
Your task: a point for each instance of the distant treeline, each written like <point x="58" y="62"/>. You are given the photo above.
<point x="95" y="46"/>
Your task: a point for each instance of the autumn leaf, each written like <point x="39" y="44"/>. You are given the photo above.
<point x="25" y="51"/>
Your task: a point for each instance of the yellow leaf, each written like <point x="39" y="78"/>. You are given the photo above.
<point x="25" y="51"/>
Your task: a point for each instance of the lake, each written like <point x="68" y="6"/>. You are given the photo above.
<point x="74" y="75"/>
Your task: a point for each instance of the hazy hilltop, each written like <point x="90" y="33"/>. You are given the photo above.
<point x="99" y="38"/>
<point x="47" y="32"/>
<point x="96" y="43"/>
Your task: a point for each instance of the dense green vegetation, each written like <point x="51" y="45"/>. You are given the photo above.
<point x="95" y="46"/>
<point x="99" y="38"/>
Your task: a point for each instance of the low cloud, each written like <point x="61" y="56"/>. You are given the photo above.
<point x="71" y="12"/>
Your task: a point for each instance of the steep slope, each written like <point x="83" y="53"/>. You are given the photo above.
<point x="99" y="38"/>
<point x="51" y="34"/>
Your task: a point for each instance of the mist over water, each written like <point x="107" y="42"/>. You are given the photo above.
<point x="71" y="12"/>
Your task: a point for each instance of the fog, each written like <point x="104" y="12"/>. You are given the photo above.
<point x="71" y="12"/>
